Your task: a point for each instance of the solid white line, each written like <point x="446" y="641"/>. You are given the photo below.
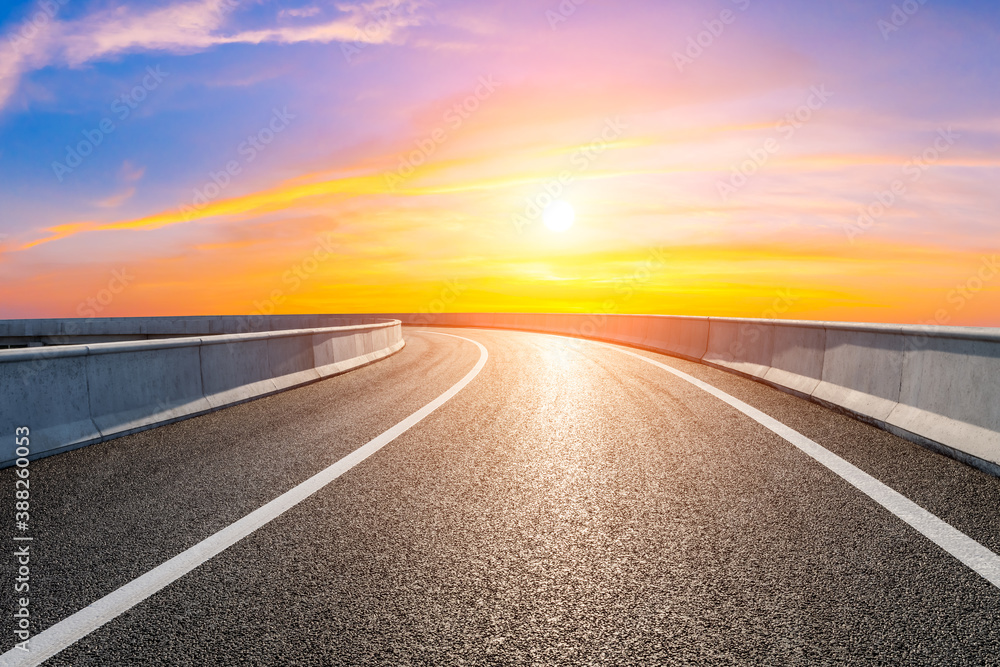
<point x="70" y="630"/>
<point x="973" y="554"/>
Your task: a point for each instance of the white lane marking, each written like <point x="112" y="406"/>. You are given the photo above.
<point x="70" y="630"/>
<point x="973" y="554"/>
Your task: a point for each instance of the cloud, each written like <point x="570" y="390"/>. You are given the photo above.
<point x="114" y="201"/>
<point x="131" y="173"/>
<point x="302" y="12"/>
<point x="180" y="28"/>
<point x="266" y="201"/>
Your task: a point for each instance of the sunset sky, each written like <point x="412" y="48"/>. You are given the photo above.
<point x="810" y="160"/>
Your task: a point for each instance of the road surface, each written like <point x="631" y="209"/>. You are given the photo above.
<point x="569" y="504"/>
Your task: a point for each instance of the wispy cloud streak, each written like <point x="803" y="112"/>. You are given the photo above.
<point x="180" y="28"/>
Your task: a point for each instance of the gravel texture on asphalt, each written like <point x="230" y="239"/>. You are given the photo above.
<point x="571" y="506"/>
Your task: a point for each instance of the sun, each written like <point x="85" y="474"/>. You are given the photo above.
<point x="559" y="216"/>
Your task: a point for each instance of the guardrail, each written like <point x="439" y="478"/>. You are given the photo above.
<point x="67" y="331"/>
<point x="71" y="396"/>
<point x="936" y="386"/>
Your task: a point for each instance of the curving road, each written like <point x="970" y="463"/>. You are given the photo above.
<point x="571" y="504"/>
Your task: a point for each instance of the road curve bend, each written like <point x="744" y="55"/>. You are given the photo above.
<point x="567" y="502"/>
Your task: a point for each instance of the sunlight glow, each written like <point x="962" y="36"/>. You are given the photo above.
<point x="559" y="216"/>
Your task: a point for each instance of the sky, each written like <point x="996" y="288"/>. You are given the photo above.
<point x="831" y="160"/>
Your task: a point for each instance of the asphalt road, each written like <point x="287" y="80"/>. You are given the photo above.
<point x="572" y="505"/>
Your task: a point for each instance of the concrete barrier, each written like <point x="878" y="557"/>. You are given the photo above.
<point x="937" y="386"/>
<point x="291" y="360"/>
<point x="525" y="321"/>
<point x="742" y="346"/>
<point x="135" y="385"/>
<point x="505" y="320"/>
<point x="633" y="329"/>
<point x="609" y="328"/>
<point x="46" y="390"/>
<point x="75" y="395"/>
<point x="235" y="369"/>
<point x="685" y="337"/>
<point x="482" y="320"/>
<point x="948" y="392"/>
<point x="862" y="371"/>
<point x="105" y="329"/>
<point x="797" y="358"/>
<point x="574" y="323"/>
